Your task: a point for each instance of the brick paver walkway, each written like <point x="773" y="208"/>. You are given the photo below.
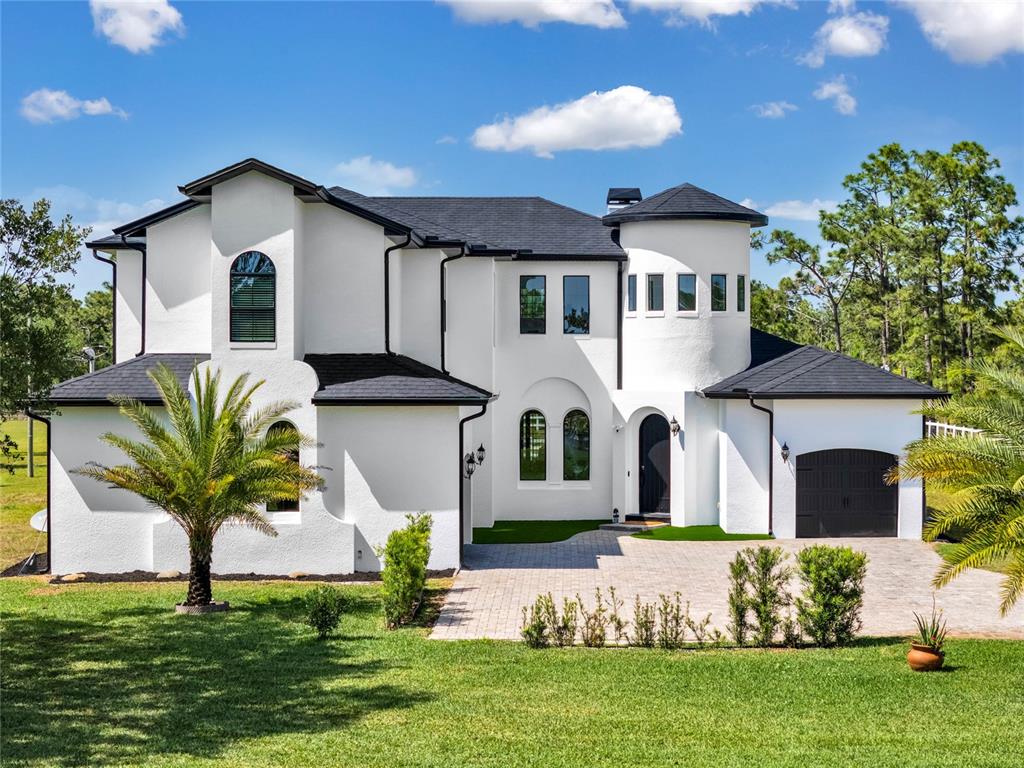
<point x="498" y="579"/>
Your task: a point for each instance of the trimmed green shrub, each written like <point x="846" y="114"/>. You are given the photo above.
<point x="615" y="620"/>
<point x="594" y="627"/>
<point x="563" y="626"/>
<point x="405" y="569"/>
<point x="769" y="593"/>
<point x="535" y="630"/>
<point x="739" y="577"/>
<point x="833" y="579"/>
<point x="643" y="624"/>
<point x="671" y="622"/>
<point x="324" y="606"/>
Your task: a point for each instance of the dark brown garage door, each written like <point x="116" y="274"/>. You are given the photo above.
<point x="842" y="492"/>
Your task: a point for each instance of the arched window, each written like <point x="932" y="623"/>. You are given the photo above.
<point x="253" y="299"/>
<point x="284" y="505"/>
<point x="533" y="442"/>
<point x="576" y="446"/>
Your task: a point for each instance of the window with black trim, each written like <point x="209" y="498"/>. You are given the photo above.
<point x="284" y="505"/>
<point x="532" y="315"/>
<point x="719" y="293"/>
<point x="686" y="290"/>
<point x="631" y="293"/>
<point x="533" y="443"/>
<point x="741" y="293"/>
<point x="253" y="298"/>
<point x="576" y="446"/>
<point x="655" y="293"/>
<point x="575" y="304"/>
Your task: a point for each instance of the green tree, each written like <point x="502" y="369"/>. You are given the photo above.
<point x="982" y="473"/>
<point x="216" y="462"/>
<point x="783" y="312"/>
<point x="94" y="319"/>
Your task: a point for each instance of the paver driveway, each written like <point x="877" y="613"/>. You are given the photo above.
<point x="498" y="579"/>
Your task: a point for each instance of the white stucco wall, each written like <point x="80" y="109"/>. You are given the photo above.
<point x="743" y="462"/>
<point x="128" y="301"/>
<point x="416" y="303"/>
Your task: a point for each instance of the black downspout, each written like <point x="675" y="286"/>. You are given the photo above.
<point x="618" y="330"/>
<point x="462" y="488"/>
<point x="387" y="291"/>
<point x="141" y="249"/>
<point x="113" y="302"/>
<point x="49" y="474"/>
<point x="771" y="459"/>
<point x="444" y="302"/>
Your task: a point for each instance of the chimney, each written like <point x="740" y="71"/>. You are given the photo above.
<point x="620" y="197"/>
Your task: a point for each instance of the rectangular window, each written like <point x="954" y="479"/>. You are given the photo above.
<point x="687" y="290"/>
<point x="741" y="293"/>
<point x="531" y="303"/>
<point x="576" y="304"/>
<point x="719" y="292"/>
<point x="252" y="308"/>
<point x="631" y="293"/>
<point x="655" y="293"/>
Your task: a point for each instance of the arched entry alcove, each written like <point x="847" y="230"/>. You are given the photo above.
<point x="654" y="466"/>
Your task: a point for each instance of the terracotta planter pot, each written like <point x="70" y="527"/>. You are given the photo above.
<point x="923" y="658"/>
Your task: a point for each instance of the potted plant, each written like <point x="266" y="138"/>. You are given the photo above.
<point x="926" y="654"/>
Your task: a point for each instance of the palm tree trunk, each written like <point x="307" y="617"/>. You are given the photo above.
<point x="199" y="590"/>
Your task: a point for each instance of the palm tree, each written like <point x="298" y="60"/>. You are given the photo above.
<point x="982" y="473"/>
<point x="211" y="463"/>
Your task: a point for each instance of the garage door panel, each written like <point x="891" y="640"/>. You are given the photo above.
<point x="842" y="492"/>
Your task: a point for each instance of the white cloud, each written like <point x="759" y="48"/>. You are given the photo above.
<point x="47" y="106"/>
<point x="137" y="25"/>
<point x="859" y="34"/>
<point x="627" y="116"/>
<point x="703" y="11"/>
<point x="99" y="213"/>
<point x="447" y="140"/>
<point x="838" y="91"/>
<point x="840" y="6"/>
<point x="532" y="13"/>
<point x="800" y="210"/>
<point x="971" y="31"/>
<point x="773" y="109"/>
<point x="374" y="177"/>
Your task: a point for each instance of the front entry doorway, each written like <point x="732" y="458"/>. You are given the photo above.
<point x="654" y="465"/>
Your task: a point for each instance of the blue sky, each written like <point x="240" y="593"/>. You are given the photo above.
<point x="389" y="96"/>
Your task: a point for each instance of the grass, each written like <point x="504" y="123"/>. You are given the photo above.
<point x="106" y="675"/>
<point x="533" y="531"/>
<point x="944" y="548"/>
<point x="698" y="533"/>
<point x="21" y="496"/>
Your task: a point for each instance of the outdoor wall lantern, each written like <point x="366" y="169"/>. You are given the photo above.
<point x="674" y="426"/>
<point x="474" y="460"/>
<point x="785" y="452"/>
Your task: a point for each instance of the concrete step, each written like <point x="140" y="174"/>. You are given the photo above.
<point x="632" y="526"/>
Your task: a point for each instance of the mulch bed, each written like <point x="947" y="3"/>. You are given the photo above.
<point x="143" y="576"/>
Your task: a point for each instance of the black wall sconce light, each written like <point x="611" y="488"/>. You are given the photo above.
<point x="474" y="460"/>
<point x="674" y="426"/>
<point x="785" y="452"/>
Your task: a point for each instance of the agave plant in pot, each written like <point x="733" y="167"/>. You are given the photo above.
<point x="926" y="654"/>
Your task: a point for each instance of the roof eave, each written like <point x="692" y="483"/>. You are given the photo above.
<point x="754" y="219"/>
<point x="746" y="395"/>
<point x="140" y="224"/>
<point x="200" y="188"/>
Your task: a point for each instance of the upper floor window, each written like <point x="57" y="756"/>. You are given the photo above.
<point x="741" y="293"/>
<point x="576" y="446"/>
<point x="631" y="293"/>
<point x="532" y="315"/>
<point x="533" y="443"/>
<point x="284" y="505"/>
<point x="719" y="292"/>
<point x="576" y="304"/>
<point x="253" y="298"/>
<point x="686" y="289"/>
<point x="655" y="293"/>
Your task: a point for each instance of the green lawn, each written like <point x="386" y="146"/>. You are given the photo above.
<point x="21" y="496"/>
<point x="105" y="675"/>
<point x="533" y="531"/>
<point x="945" y="547"/>
<point x="698" y="533"/>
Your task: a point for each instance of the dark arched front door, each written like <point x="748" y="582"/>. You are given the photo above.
<point x="654" y="465"/>
<point x="842" y="492"/>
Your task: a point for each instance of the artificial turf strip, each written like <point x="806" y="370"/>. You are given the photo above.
<point x="698" y="533"/>
<point x="105" y="675"/>
<point x="533" y="531"/>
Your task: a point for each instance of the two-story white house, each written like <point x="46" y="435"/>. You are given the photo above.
<point x="598" y="366"/>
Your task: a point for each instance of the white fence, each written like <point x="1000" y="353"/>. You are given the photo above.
<point x="938" y="429"/>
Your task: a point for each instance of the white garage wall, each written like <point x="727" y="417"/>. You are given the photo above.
<point x="743" y="458"/>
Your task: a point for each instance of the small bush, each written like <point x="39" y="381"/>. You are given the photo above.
<point x="699" y="629"/>
<point x="324" y="606"/>
<point x="739" y="577"/>
<point x="791" y="634"/>
<point x="643" y="624"/>
<point x="671" y="622"/>
<point x="563" y="627"/>
<point x="833" y="579"/>
<point x="769" y="594"/>
<point x="405" y="569"/>
<point x="535" y="630"/>
<point x="615" y="620"/>
<point x="594" y="629"/>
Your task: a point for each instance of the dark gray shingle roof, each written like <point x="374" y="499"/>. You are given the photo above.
<point x="686" y="202"/>
<point x="115" y="243"/>
<point x="377" y="379"/>
<point x="127" y="379"/>
<point x="811" y="372"/>
<point x="766" y="346"/>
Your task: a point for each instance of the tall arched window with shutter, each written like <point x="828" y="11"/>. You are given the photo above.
<point x="253" y="298"/>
